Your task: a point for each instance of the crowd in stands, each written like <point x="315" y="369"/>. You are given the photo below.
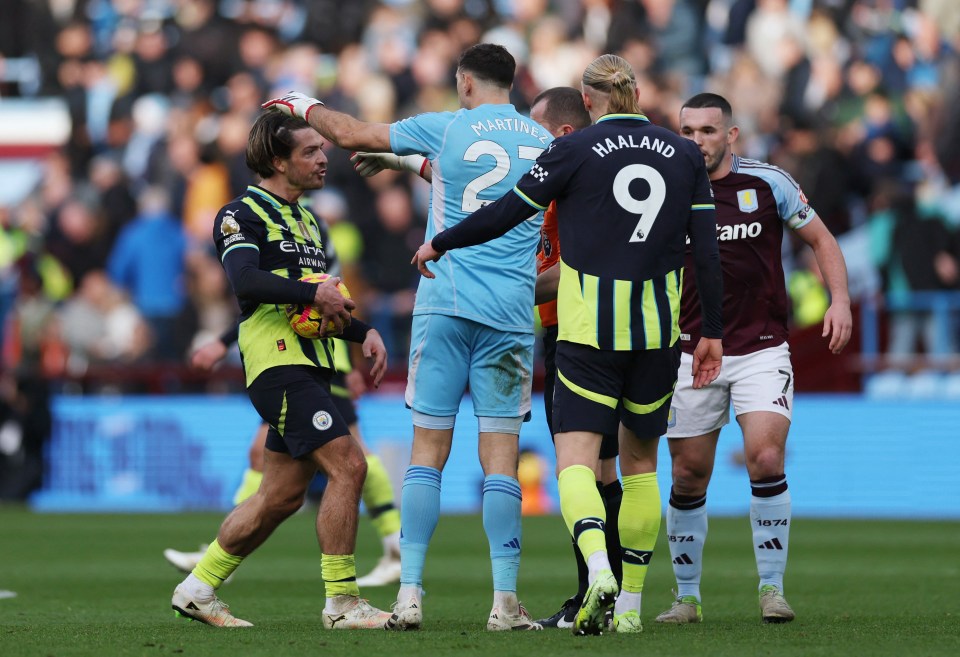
<point x="109" y="260"/>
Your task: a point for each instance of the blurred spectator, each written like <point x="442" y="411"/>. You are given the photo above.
<point x="208" y="37"/>
<point x="33" y="353"/>
<point x="78" y="236"/>
<point x="104" y="326"/>
<point x="913" y="254"/>
<point x="148" y="262"/>
<point x="386" y="265"/>
<point x="113" y="190"/>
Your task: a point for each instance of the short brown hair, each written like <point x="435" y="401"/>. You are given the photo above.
<point x="564" y="105"/>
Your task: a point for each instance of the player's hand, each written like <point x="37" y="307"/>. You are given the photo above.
<point x="370" y="164"/>
<point x="707" y="358"/>
<point x="293" y="104"/>
<point x="206" y="357"/>
<point x="838" y="324"/>
<point x="356" y="386"/>
<point x="426" y="253"/>
<point x="332" y="306"/>
<point x="374" y="348"/>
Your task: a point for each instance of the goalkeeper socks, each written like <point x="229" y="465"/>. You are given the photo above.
<point x="582" y="509"/>
<point x="249" y="485"/>
<point x="687" y="529"/>
<point x="770" y="520"/>
<point x="216" y="565"/>
<point x="378" y="498"/>
<point x="501" y="521"/>
<point x="419" y="515"/>
<point x="639" y="527"/>
<point x="339" y="572"/>
<point x="612" y="495"/>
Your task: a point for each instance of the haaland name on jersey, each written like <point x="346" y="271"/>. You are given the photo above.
<point x="511" y="125"/>
<point x="626" y="141"/>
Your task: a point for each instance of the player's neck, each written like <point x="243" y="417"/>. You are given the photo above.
<point x="282" y="190"/>
<point x="722" y="171"/>
<point x="487" y="98"/>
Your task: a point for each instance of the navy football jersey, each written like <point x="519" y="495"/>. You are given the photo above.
<point x="288" y="240"/>
<point x="626" y="193"/>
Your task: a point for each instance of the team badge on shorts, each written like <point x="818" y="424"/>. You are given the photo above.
<point x="671" y="418"/>
<point x="322" y="420"/>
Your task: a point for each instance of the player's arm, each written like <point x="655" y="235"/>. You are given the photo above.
<point x="210" y="353"/>
<point x="340" y="128"/>
<point x="838" y="320"/>
<point x="371" y="345"/>
<point x="531" y="195"/>
<point x="487" y="223"/>
<point x="702" y="230"/>
<point x="249" y="282"/>
<point x="708" y="354"/>
<point x="548" y="283"/>
<point x="370" y="164"/>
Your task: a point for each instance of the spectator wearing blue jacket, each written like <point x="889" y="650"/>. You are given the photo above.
<point x="148" y="261"/>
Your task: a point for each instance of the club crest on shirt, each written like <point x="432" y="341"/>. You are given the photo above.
<point x="747" y="200"/>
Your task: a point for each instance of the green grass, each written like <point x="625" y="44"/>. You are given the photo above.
<point x="98" y="585"/>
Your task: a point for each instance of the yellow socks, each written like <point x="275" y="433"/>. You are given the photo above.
<point x="216" y="566"/>
<point x="639" y="527"/>
<point x="339" y="574"/>
<point x="582" y="509"/>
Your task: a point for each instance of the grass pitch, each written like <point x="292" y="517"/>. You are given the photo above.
<point x="98" y="585"/>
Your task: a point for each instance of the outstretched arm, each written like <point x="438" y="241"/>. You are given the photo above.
<point x="370" y="164"/>
<point x="487" y="223"/>
<point x="342" y="129"/>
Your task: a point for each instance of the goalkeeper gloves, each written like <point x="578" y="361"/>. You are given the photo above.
<point x="294" y="104"/>
<point x="370" y="164"/>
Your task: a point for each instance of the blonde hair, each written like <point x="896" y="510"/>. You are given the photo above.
<point x="613" y="75"/>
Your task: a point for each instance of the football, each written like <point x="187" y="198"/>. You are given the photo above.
<point x="304" y="319"/>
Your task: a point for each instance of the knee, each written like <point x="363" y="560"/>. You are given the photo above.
<point x="765" y="462"/>
<point x="690" y="477"/>
<point x="352" y="468"/>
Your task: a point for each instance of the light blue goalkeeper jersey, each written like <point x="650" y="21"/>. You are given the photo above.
<point x="477" y="156"/>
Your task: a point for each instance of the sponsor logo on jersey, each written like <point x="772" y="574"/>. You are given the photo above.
<point x="229" y="225"/>
<point x="322" y="420"/>
<point x="297" y="247"/>
<point x="539" y="172"/>
<point x="738" y="231"/>
<point x="747" y="200"/>
<point x="236" y="237"/>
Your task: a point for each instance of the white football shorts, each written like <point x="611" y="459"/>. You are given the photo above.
<point x="761" y="381"/>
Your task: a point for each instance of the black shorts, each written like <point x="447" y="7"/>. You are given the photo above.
<point x="609" y="446"/>
<point x="295" y="401"/>
<point x="597" y="389"/>
<point x="342" y="399"/>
